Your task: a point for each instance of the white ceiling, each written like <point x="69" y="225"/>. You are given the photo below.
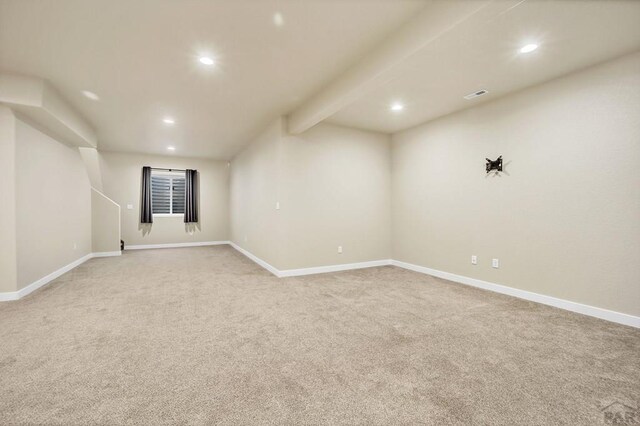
<point x="140" y="57"/>
<point x="483" y="53"/>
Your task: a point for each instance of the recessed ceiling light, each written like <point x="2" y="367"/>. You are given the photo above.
<point x="91" y="95"/>
<point x="278" y="19"/>
<point x="397" y="107"/>
<point x="168" y="120"/>
<point x="171" y="148"/>
<point x="206" y="60"/>
<point x="527" y="48"/>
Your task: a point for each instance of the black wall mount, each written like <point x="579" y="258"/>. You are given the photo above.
<point x="494" y="165"/>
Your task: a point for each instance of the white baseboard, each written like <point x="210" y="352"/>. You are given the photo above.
<point x="333" y="268"/>
<point x="175" y="245"/>
<point x="106" y="254"/>
<point x="8" y="296"/>
<point x="15" y="295"/>
<point x="567" y="305"/>
<point x="256" y="259"/>
<point x="593" y="311"/>
<point x="308" y="271"/>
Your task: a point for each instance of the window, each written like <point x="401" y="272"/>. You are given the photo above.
<point x="167" y="192"/>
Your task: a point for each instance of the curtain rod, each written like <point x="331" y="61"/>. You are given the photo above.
<point x="169" y="170"/>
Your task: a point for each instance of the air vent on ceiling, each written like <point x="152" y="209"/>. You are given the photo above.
<point x="476" y="94"/>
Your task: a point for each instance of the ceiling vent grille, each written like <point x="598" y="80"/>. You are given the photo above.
<point x="476" y="94"/>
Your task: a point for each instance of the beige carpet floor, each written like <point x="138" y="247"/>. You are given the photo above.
<point x="205" y="336"/>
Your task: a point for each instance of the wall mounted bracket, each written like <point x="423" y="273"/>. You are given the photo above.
<point x="494" y="165"/>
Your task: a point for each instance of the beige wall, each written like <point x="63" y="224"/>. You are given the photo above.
<point x="121" y="175"/>
<point x="105" y="223"/>
<point x="336" y="193"/>
<point x="8" y="261"/>
<point x="333" y="188"/>
<point x="53" y="205"/>
<point x="564" y="218"/>
<point x="91" y="159"/>
<point x="254" y="191"/>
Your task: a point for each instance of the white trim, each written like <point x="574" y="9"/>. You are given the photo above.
<point x="309" y="271"/>
<point x="175" y="245"/>
<point x="106" y="254"/>
<point x="567" y="305"/>
<point x="333" y="268"/>
<point x="101" y="193"/>
<point x="256" y="259"/>
<point x="119" y="212"/>
<point x="8" y="296"/>
<point x="15" y="295"/>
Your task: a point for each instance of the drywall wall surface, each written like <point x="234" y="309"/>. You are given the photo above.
<point x="91" y="159"/>
<point x="255" y="189"/>
<point x="296" y="199"/>
<point x="564" y="217"/>
<point x="336" y="195"/>
<point x="121" y="179"/>
<point x="105" y="223"/>
<point x="53" y="205"/>
<point x="8" y="260"/>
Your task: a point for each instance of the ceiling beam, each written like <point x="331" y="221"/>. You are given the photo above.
<point x="38" y="101"/>
<point x="432" y="22"/>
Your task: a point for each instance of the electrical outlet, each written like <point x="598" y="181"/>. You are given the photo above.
<point x="129" y="206"/>
<point x="495" y="263"/>
<point x="474" y="259"/>
<point x="246" y="239"/>
<point x="277" y="205"/>
<point x="75" y="246"/>
<point x="339" y="249"/>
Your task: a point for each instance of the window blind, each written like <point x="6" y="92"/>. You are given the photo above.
<point x="167" y="194"/>
<point x="178" y="195"/>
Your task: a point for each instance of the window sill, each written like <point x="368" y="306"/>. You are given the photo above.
<point x="168" y="215"/>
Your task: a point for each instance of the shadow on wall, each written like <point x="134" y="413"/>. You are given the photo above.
<point x="191" y="228"/>
<point x="145" y="228"/>
<point x="496" y="173"/>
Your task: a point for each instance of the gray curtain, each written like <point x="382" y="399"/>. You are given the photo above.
<point x="191" y="196"/>
<point x="146" y="213"/>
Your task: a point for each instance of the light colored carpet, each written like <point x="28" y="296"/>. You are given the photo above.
<point x="203" y="335"/>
